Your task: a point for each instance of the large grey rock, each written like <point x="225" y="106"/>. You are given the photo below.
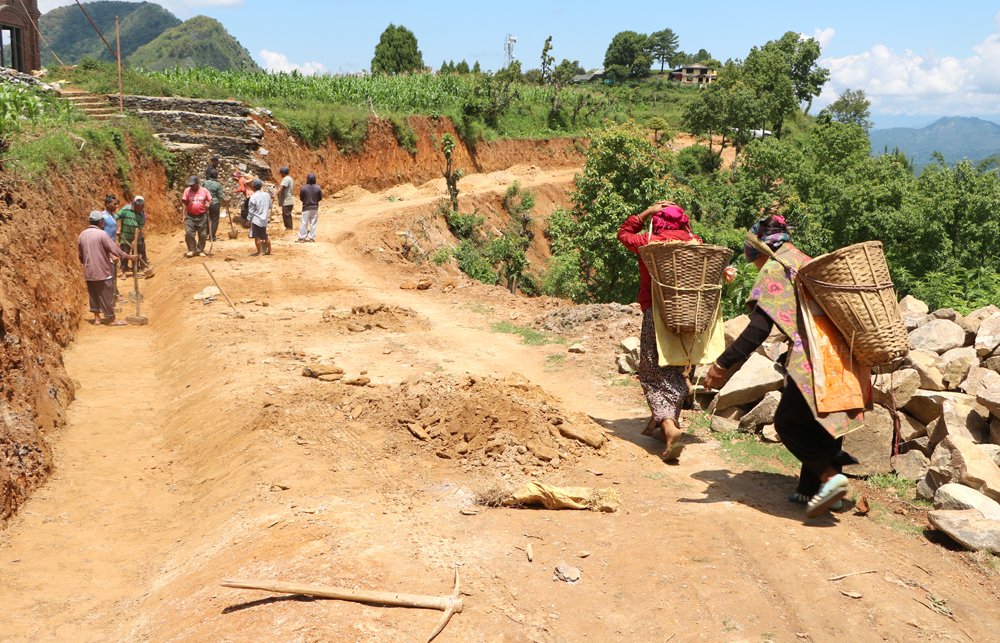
<point x="769" y="434"/>
<point x="925" y="363"/>
<point x="733" y="327"/>
<point x="926" y="406"/>
<point x="921" y="444"/>
<point x="938" y="335"/>
<point x="990" y="398"/>
<point x="724" y="425"/>
<point x="988" y="337"/>
<point x="761" y="414"/>
<point x="947" y="313"/>
<point x="992" y="363"/>
<point x="963" y="461"/>
<point x="913" y="321"/>
<point x="955" y="364"/>
<point x="992" y="451"/>
<point x="976" y="318"/>
<point x="901" y="385"/>
<point x="912" y="465"/>
<point x="961" y="420"/>
<point x="871" y="445"/>
<point x="754" y="379"/>
<point x="958" y="496"/>
<point x="910" y="428"/>
<point x="732" y="413"/>
<point x="623" y="365"/>
<point x="910" y="304"/>
<point x="979" y="379"/>
<point x="927" y="487"/>
<point x="969" y="528"/>
<point x="630" y="346"/>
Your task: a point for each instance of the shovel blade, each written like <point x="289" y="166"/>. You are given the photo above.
<point x="137" y="320"/>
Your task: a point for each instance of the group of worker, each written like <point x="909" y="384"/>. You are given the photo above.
<point x="115" y="235"/>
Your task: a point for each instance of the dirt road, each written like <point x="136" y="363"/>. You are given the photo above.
<point x="197" y="451"/>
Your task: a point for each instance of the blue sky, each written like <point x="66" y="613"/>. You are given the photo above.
<point x="916" y="60"/>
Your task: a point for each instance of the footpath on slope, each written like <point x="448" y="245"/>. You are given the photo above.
<point x="197" y="451"/>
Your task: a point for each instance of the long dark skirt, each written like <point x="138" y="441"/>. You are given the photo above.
<point x="665" y="387"/>
<point x="807" y="439"/>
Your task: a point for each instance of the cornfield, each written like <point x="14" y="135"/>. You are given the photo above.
<point x="20" y="106"/>
<point x="418" y="93"/>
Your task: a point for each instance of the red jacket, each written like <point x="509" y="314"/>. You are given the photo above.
<point x="633" y="237"/>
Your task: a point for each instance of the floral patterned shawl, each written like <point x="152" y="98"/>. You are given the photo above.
<point x="775" y="294"/>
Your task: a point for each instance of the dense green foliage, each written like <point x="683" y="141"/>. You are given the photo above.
<point x="198" y="42"/>
<point x="628" y="56"/>
<point x="397" y="52"/>
<point x="22" y="108"/>
<point x="481" y="105"/>
<point x="69" y="33"/>
<point x="852" y="106"/>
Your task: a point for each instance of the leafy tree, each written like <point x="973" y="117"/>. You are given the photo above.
<point x="548" y="60"/>
<point x="851" y="107"/>
<point x="703" y="57"/>
<point x="663" y="46"/>
<point x="493" y="94"/>
<point x="659" y="124"/>
<point x="767" y="70"/>
<point x="476" y="69"/>
<point x="451" y="176"/>
<point x="628" y="56"/>
<point x="397" y="52"/>
<point x="443" y="69"/>
<point x="533" y="77"/>
<point x="462" y="67"/>
<point x="807" y="76"/>
<point x="623" y="175"/>
<point x="508" y="253"/>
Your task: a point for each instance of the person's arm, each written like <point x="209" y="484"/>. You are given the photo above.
<point x="115" y="250"/>
<point x="756" y="332"/>
<point x="319" y="194"/>
<point x="79" y="251"/>
<point x="630" y="234"/>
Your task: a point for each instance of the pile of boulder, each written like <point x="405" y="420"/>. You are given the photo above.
<point x="947" y="395"/>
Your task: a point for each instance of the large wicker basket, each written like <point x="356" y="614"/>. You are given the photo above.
<point x="686" y="282"/>
<point x="852" y="285"/>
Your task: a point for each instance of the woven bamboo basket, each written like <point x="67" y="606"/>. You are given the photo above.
<point x="852" y="285"/>
<point x="686" y="282"/>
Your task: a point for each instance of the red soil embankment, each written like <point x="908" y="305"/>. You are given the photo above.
<point x="383" y="163"/>
<point x="42" y="298"/>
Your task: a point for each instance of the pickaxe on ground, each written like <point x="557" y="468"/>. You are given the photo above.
<point x="450" y="604"/>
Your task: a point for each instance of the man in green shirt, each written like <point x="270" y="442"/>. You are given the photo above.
<point x="215" y="189"/>
<point x="131" y="221"/>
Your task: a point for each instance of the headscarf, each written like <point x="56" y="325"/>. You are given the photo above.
<point x="671" y="217"/>
<point x="772" y="231"/>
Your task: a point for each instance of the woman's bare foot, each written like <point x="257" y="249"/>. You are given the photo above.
<point x="671" y="435"/>
<point x="651" y="427"/>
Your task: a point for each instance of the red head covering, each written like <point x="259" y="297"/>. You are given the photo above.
<point x="671" y="217"/>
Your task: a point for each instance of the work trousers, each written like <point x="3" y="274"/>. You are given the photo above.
<point x="197" y="224"/>
<point x="213" y="220"/>
<point x="308" y="228"/>
<point x="140" y="248"/>
<point x="807" y="439"/>
<point x="102" y="298"/>
<point x="286" y="216"/>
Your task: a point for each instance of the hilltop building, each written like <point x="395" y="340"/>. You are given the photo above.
<point x="694" y="74"/>
<point x="19" y="35"/>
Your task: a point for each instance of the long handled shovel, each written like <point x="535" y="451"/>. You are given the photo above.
<point x="138" y="318"/>
<point x="233" y="233"/>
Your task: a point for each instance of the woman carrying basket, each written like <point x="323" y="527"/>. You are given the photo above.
<point x="824" y="393"/>
<point x="665" y="387"/>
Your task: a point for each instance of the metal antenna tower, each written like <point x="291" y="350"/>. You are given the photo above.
<point x="508" y="50"/>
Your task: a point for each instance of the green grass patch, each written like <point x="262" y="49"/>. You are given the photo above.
<point x="555" y="361"/>
<point x="624" y="380"/>
<point x="884" y="515"/>
<point x="747" y="449"/>
<point x="45" y="151"/>
<point x="904" y="489"/>
<point x="481" y="309"/>
<point x="528" y="336"/>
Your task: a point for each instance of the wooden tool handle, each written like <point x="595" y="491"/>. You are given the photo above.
<point x="444" y="603"/>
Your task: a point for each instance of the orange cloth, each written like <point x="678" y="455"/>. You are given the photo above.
<point x="840" y="383"/>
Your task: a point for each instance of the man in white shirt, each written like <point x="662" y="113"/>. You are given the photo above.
<point x="259" y="207"/>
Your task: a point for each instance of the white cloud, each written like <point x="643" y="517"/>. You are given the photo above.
<point x="275" y="61"/>
<point x="823" y="36"/>
<point x="910" y="83"/>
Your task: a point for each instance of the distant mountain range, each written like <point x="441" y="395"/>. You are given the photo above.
<point x="955" y="137"/>
<point x="151" y="37"/>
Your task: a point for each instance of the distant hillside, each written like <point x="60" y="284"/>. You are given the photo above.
<point x="198" y="42"/>
<point x="955" y="137"/>
<point x="69" y="33"/>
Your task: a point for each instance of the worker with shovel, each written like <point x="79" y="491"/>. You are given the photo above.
<point x="131" y="221"/>
<point x="95" y="251"/>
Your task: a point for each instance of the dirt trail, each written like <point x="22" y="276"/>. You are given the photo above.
<point x="228" y="462"/>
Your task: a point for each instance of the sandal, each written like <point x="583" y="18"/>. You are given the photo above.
<point x="832" y="492"/>
<point x="117" y="323"/>
<point x="672" y="454"/>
